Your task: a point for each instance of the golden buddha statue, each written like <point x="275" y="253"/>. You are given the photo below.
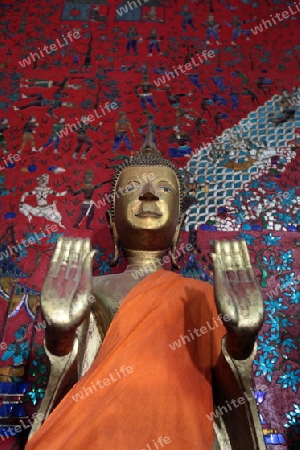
<point x="149" y="359"/>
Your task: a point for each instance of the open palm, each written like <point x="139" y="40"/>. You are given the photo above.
<point x="237" y="292"/>
<point x="67" y="286"/>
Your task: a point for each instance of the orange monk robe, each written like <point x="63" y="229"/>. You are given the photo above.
<point x="166" y="394"/>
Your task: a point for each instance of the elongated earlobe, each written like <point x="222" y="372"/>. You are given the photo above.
<point x="115" y="238"/>
<point x="175" y="241"/>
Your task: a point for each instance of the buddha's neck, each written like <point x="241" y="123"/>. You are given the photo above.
<point x="152" y="260"/>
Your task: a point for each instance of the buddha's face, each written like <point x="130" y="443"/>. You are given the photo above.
<point x="147" y="207"/>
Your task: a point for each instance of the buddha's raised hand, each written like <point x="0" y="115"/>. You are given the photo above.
<point x="65" y="296"/>
<point x="238" y="296"/>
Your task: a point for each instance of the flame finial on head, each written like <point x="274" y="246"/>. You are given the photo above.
<point x="149" y="146"/>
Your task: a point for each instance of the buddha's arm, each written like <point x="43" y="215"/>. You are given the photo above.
<point x="237" y="296"/>
<point x="236" y="413"/>
<point x="63" y="374"/>
<point x="65" y="306"/>
<point x="66" y="370"/>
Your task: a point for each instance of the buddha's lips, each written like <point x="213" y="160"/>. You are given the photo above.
<point x="148" y="214"/>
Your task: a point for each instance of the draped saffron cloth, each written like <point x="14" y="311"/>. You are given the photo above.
<point x="142" y="386"/>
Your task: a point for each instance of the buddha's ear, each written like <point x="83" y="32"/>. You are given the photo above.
<point x="175" y="241"/>
<point x="115" y="238"/>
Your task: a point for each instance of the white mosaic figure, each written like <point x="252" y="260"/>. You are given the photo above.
<point x="43" y="209"/>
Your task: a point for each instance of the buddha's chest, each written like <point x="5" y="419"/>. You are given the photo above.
<point x="111" y="290"/>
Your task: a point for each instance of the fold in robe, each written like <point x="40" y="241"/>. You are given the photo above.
<point x="161" y="392"/>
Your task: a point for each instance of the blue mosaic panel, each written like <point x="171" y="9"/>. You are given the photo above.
<point x="238" y="157"/>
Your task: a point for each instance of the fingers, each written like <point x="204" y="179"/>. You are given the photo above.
<point x="74" y="258"/>
<point x="65" y="253"/>
<point x="223" y="295"/>
<point x="245" y="254"/>
<point x="63" y="258"/>
<point x="68" y="256"/>
<point x="226" y="258"/>
<point x="86" y="273"/>
<point x="233" y="258"/>
<point x="237" y="255"/>
<point x="239" y="264"/>
<point x="56" y="257"/>
<point x="86" y="248"/>
<point x="246" y="259"/>
<point x="217" y="258"/>
<point x="85" y="252"/>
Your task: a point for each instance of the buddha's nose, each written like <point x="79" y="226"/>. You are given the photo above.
<point x="148" y="193"/>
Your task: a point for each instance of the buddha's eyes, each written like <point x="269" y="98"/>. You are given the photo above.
<point x="165" y="188"/>
<point x="131" y="187"/>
